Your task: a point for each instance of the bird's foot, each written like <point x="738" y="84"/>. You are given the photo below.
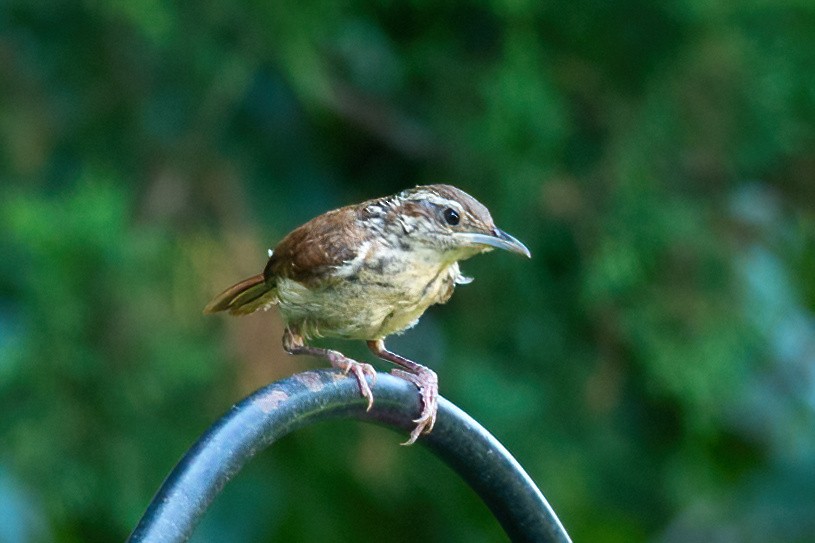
<point x="427" y="382"/>
<point x="360" y="371"/>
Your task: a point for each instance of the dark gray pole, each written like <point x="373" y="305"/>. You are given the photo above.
<point x="305" y="398"/>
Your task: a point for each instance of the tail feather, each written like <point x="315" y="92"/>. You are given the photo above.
<point x="242" y="298"/>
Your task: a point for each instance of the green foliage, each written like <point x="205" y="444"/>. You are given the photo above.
<point x="651" y="366"/>
<point x="98" y="370"/>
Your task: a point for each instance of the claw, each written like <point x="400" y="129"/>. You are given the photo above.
<point x="360" y="371"/>
<point x="293" y="342"/>
<point x="427" y="383"/>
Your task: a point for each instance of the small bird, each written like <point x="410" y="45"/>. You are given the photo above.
<point x="370" y="270"/>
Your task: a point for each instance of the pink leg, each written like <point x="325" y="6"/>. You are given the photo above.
<point x="293" y="343"/>
<point x="425" y="380"/>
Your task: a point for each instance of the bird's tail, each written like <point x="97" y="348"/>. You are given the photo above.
<point x="242" y="298"/>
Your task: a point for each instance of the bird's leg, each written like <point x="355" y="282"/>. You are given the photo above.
<point x="294" y="343"/>
<point x="425" y="380"/>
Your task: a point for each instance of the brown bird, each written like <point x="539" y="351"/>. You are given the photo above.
<point x="370" y="270"/>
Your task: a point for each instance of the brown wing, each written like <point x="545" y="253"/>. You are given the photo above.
<point x="309" y="253"/>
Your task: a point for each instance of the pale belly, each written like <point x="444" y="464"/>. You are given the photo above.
<point x="368" y="304"/>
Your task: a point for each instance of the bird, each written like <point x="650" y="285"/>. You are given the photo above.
<point x="370" y="270"/>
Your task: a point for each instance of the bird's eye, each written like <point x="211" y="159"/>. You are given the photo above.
<point x="451" y="216"/>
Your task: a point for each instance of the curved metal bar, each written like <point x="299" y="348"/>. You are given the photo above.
<point x="305" y="398"/>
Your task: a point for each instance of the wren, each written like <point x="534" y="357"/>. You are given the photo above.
<point x="370" y="270"/>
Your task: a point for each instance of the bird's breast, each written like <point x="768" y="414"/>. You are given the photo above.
<point x="374" y="295"/>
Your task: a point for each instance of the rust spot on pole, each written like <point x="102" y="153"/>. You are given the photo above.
<point x="269" y="402"/>
<point x="311" y="380"/>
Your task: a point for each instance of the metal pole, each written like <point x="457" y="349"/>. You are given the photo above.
<point x="285" y="406"/>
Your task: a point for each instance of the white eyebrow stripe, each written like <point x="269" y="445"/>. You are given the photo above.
<point x="435" y="199"/>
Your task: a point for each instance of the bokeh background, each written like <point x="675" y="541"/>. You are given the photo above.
<point x="652" y="367"/>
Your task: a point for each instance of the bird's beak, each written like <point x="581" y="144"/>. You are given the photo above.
<point x="499" y="239"/>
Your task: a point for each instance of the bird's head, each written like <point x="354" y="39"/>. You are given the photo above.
<point x="453" y="222"/>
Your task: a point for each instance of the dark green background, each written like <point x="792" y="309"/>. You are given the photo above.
<point x="652" y="367"/>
